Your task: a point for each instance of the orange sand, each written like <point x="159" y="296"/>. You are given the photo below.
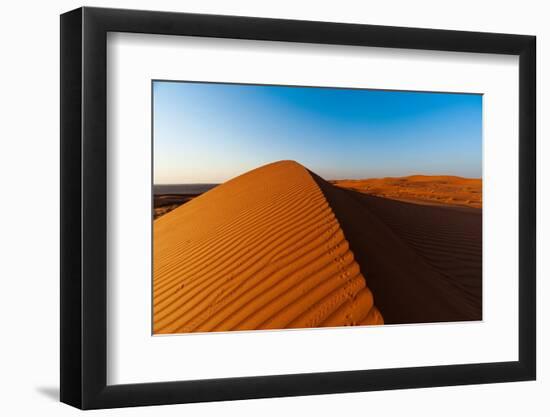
<point x="261" y="251"/>
<point x="431" y="189"/>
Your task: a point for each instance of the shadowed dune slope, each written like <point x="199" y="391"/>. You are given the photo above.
<point x="422" y="262"/>
<point x="261" y="251"/>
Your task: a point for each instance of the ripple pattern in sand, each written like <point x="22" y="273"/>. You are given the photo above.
<point x="261" y="251"/>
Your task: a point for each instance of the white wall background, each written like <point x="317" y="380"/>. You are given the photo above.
<point x="29" y="171"/>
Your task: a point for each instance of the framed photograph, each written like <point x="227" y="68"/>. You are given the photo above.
<point x="260" y="208"/>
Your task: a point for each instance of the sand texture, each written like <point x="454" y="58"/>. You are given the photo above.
<point x="423" y="263"/>
<point x="427" y="189"/>
<point x="264" y="250"/>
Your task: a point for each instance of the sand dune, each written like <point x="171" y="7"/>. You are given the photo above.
<point x="428" y="189"/>
<point x="423" y="263"/>
<point x="261" y="251"/>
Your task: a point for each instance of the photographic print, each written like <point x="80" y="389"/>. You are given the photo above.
<point x="293" y="207"/>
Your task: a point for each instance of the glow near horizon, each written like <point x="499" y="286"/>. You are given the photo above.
<point x="209" y="133"/>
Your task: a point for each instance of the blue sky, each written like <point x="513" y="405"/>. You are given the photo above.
<point x="209" y="133"/>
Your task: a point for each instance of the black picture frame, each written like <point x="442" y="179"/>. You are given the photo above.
<point x="84" y="207"/>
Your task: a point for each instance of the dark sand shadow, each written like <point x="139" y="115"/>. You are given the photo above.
<point x="422" y="263"/>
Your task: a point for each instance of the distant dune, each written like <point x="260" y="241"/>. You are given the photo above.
<point x="427" y="189"/>
<point x="261" y="251"/>
<point x="423" y="262"/>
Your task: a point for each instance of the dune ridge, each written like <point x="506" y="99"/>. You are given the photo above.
<point x="426" y="263"/>
<point x="261" y="251"/>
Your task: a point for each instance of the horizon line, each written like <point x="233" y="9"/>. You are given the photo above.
<point x="332" y="179"/>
